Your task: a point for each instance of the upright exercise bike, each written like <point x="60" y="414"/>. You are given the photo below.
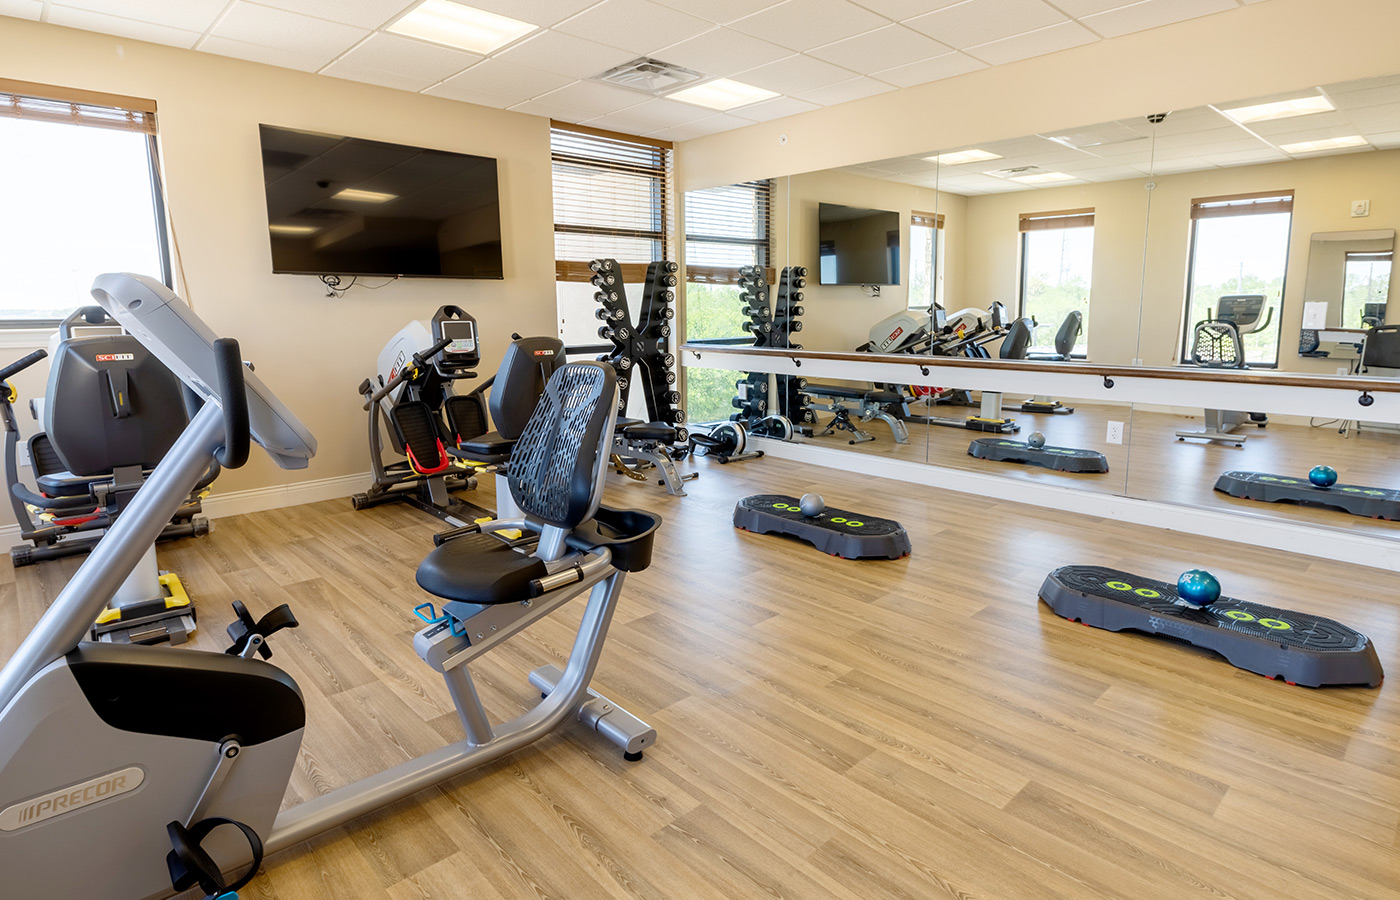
<point x="133" y="773"/>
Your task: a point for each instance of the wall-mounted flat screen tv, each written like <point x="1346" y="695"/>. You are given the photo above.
<point x="857" y="246"/>
<point x="347" y="206"/>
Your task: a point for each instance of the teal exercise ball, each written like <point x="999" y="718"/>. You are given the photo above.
<point x="1198" y="587"/>
<point x="1322" y="476"/>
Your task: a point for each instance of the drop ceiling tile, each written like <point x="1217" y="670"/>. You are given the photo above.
<point x="251" y="24"/>
<point x="845" y="91"/>
<point x="1077" y="8"/>
<point x="495" y="76"/>
<point x="651" y="116"/>
<point x="722" y="51"/>
<point x="778" y="108"/>
<point x="899" y="10"/>
<point x="636" y="25"/>
<point x="589" y="98"/>
<point x="272" y="56"/>
<point x="803" y="24"/>
<point x="127" y="28"/>
<point x="554" y="51"/>
<point x="1385" y="141"/>
<point x="401" y="56"/>
<point x="1245" y="157"/>
<point x="939" y="67"/>
<point x="368" y="75"/>
<point x="1108" y="173"/>
<point x="1152" y="14"/>
<point x="361" y="13"/>
<point x="700" y="128"/>
<point x="982" y="21"/>
<point x="721" y="11"/>
<point x="21" y="9"/>
<point x="537" y="12"/>
<point x="551" y="110"/>
<point x="1328" y="120"/>
<point x="1377" y="95"/>
<point x="1362" y="84"/>
<point x="1375" y="118"/>
<point x="883" y="48"/>
<point x="191" y="15"/>
<point x="1034" y="43"/>
<point x="467" y="94"/>
<point x="795" y="74"/>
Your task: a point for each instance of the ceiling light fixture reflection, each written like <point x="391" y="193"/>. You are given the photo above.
<point x="722" y="94"/>
<point x="962" y="156"/>
<point x="463" y="27"/>
<point x="355" y="195"/>
<point x="293" y="229"/>
<point x="1280" y="109"/>
<point x="1042" y="177"/>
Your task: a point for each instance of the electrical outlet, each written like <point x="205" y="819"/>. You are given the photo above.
<point x="1343" y="370"/>
<point x="24" y="453"/>
<point x="1115" y="432"/>
<point x="1360" y="208"/>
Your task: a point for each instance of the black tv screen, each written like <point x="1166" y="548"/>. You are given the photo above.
<point x="347" y="206"/>
<point x="857" y="246"/>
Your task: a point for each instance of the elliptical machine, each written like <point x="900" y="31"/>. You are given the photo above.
<point x="414" y="403"/>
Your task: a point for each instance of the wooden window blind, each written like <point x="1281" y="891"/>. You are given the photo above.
<point x="1063" y="218"/>
<point x="1370" y="256"/>
<point x="612" y="198"/>
<point x="42" y="103"/>
<point x="926" y="220"/>
<point x="1257" y="204"/>
<point x="727" y="227"/>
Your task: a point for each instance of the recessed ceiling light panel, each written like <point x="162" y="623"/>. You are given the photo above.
<point x="1042" y="177"/>
<point x="1338" y="143"/>
<point x="460" y="26"/>
<point x="722" y="94"/>
<point x="1280" y="109"/>
<point x="961" y="157"/>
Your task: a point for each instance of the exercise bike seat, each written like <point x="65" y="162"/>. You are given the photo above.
<point x="490" y="447"/>
<point x="649" y="431"/>
<point x="479" y="568"/>
<point x="882" y="397"/>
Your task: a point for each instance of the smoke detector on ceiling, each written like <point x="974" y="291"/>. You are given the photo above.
<point x="650" y="76"/>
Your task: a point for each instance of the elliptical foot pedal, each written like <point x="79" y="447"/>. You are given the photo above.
<point x="1277" y="643"/>
<point x="1372" y="502"/>
<point x="1061" y="459"/>
<point x="839" y="532"/>
<point x="169" y="617"/>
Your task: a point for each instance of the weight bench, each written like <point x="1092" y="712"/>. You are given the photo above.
<point x="871" y="404"/>
<point x="648" y="444"/>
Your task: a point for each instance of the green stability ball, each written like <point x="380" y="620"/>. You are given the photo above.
<point x="1036" y="440"/>
<point x="1322" y="476"/>
<point x="1198" y="587"/>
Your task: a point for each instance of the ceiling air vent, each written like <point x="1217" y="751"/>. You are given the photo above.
<point x="1015" y="171"/>
<point x="650" y="76"/>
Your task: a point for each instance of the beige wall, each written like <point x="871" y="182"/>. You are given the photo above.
<point x="1257" y="49"/>
<point x="311" y="349"/>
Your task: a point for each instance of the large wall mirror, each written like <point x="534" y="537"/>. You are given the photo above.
<point x="1117" y="243"/>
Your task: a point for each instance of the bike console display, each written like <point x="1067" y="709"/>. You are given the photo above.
<point x="463" y="354"/>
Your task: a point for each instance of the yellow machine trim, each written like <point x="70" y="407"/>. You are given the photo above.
<point x="177" y="598"/>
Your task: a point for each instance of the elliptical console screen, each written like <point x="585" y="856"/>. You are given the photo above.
<point x="463" y="334"/>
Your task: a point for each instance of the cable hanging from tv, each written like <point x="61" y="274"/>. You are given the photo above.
<point x="333" y="284"/>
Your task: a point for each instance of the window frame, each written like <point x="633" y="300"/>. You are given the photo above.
<point x="763" y="246"/>
<point x="1259" y="203"/>
<point x="1373" y="256"/>
<point x="93" y="109"/>
<point x="933" y="222"/>
<point x="1051" y="220"/>
<point x="662" y="214"/>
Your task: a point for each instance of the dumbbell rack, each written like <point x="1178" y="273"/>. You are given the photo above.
<point x="643" y="347"/>
<point x="773" y="327"/>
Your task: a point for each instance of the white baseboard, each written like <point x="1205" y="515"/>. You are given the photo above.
<point x="234" y="503"/>
<point x="1242" y="528"/>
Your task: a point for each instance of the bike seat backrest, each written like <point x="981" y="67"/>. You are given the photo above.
<point x="560" y="460"/>
<point x="1018" y="339"/>
<point x="1068" y="335"/>
<point x="111" y="403"/>
<point x="1382" y="348"/>
<point x="525" y="370"/>
<point x="1217" y="345"/>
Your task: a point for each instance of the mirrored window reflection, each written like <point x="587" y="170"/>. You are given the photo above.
<point x="1365" y="289"/>
<point x="1239" y="253"/>
<point x="925" y="234"/>
<point x="1057" y="261"/>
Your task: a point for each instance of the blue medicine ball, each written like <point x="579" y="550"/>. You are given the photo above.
<point x="1198" y="587"/>
<point x="1322" y="476"/>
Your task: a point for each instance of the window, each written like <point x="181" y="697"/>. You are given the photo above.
<point x="1239" y="245"/>
<point x="1365" y="290"/>
<point x="82" y="197"/>
<point x="1057" y="264"/>
<point x="725" y="227"/>
<point x="925" y="229"/>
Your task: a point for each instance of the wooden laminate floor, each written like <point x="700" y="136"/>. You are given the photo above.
<point x="828" y="729"/>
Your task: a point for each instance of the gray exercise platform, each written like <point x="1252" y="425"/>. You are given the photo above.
<point x="1372" y="502"/>
<point x="836" y="531"/>
<point x="1061" y="459"/>
<point x="1276" y="643"/>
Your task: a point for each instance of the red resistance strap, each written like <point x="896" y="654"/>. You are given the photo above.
<point x="444" y="463"/>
